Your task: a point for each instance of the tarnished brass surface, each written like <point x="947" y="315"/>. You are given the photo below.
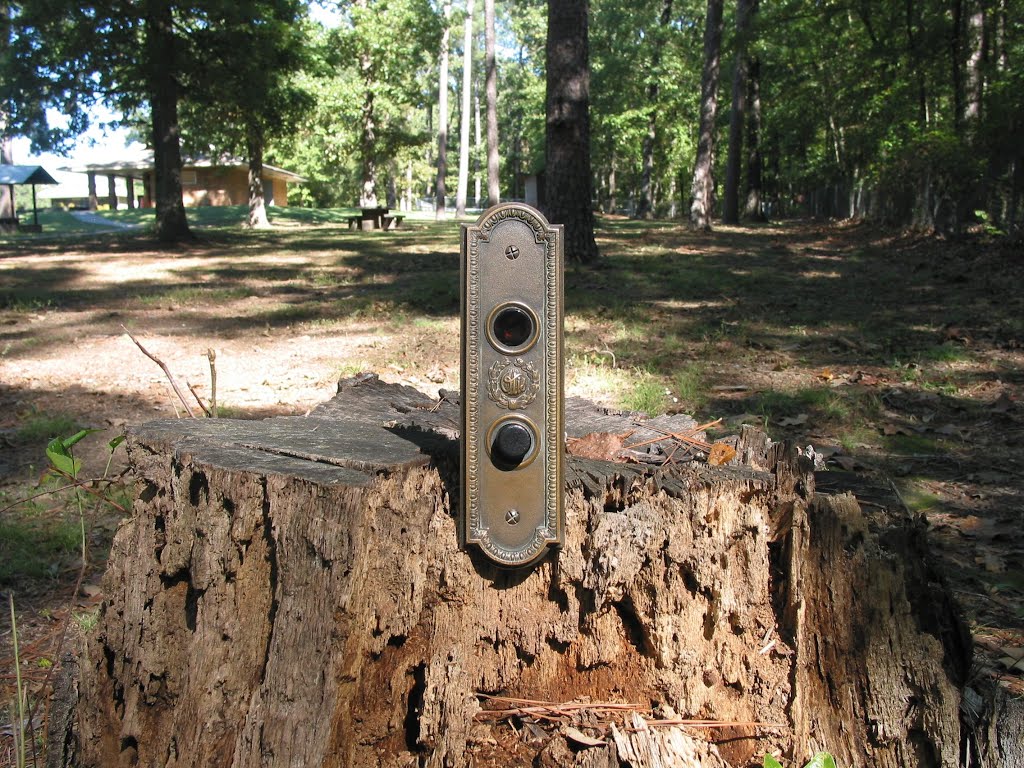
<point x="512" y="430"/>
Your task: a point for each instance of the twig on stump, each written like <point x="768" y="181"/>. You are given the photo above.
<point x="682" y="439"/>
<point x="211" y="355"/>
<point x="164" y="368"/>
<point x="192" y="389"/>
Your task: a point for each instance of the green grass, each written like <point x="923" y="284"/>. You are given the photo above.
<point x="56" y="222"/>
<point x="36" y="546"/>
<point x="24" y="304"/>
<point x="945" y="353"/>
<point x="647" y="395"/>
<point x="691" y="385"/>
<point x="840" y="410"/>
<point x="916" y="496"/>
<point x="193" y="295"/>
<point x="910" y="445"/>
<point x="87" y="620"/>
<point x="856" y="437"/>
<point x="232" y="412"/>
<point x="53" y="222"/>
<point x="41" y="427"/>
<point x="349" y="369"/>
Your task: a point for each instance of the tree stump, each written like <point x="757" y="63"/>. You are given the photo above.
<point x="291" y="592"/>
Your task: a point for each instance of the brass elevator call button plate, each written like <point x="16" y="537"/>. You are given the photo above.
<point x="512" y="430"/>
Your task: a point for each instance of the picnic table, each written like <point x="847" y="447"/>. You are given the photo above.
<point x="374" y="218"/>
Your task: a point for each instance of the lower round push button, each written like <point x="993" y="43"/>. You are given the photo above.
<point x="512" y="444"/>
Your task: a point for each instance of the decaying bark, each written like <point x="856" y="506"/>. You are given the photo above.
<point x="290" y="592"/>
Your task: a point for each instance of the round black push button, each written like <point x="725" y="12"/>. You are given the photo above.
<point x="512" y="443"/>
<point x="513" y="327"/>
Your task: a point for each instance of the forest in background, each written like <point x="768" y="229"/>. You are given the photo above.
<point x="906" y="113"/>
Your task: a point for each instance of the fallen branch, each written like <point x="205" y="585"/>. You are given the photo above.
<point x="548" y="710"/>
<point x="554" y="711"/>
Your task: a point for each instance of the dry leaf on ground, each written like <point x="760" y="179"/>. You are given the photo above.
<point x="721" y="454"/>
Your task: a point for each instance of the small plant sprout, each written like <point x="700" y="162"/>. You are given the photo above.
<point x="60" y="453"/>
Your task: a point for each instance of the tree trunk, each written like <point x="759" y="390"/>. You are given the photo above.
<point x="407" y="198"/>
<point x="737" y="116"/>
<point x="440" y="191"/>
<point x="645" y="208"/>
<point x="7" y="209"/>
<point x="368" y="127"/>
<point x="90" y="189"/>
<point x="568" y="183"/>
<point x="477" y="144"/>
<point x="257" y="205"/>
<point x="974" y="87"/>
<point x="368" y="144"/>
<point x="391" y="187"/>
<point x="467" y="94"/>
<point x="7" y="204"/>
<point x="171" y="222"/>
<point x="702" y="191"/>
<point x="291" y="592"/>
<point x="753" y="210"/>
<point x="956" y="48"/>
<point x="613" y="189"/>
<point x="914" y="24"/>
<point x="491" y="95"/>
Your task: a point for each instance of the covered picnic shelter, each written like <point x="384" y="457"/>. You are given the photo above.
<point x="16" y="175"/>
<point x="204" y="181"/>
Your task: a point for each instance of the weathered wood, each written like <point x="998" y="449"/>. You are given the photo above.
<point x="290" y="592"/>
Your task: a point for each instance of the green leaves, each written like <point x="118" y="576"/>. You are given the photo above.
<point x="58" y="451"/>
<point x="822" y="760"/>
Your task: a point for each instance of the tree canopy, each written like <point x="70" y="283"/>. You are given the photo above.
<point x="901" y="112"/>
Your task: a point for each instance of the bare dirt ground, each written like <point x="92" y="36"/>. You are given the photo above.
<point x="900" y="359"/>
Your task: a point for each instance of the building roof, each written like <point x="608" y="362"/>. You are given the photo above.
<point x="25" y="174"/>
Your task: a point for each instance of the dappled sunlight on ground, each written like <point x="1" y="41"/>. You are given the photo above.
<point x="898" y="358"/>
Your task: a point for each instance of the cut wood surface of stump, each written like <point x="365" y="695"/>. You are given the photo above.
<point x="291" y="592"/>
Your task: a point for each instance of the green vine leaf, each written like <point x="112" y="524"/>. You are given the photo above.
<point x="59" y="453"/>
<point x="70" y="441"/>
<point x="822" y="760"/>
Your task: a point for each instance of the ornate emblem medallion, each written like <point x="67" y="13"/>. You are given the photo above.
<point x="513" y="384"/>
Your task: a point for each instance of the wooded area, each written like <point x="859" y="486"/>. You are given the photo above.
<point x="291" y="592"/>
<point x="904" y="113"/>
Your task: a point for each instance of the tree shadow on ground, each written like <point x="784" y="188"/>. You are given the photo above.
<point x="894" y="350"/>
